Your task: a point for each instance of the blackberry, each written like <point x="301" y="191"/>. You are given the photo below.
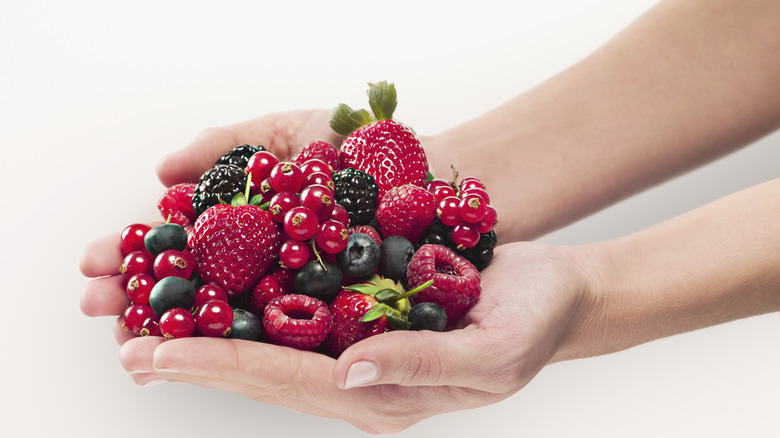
<point x="357" y="192"/>
<point x="218" y="185"/>
<point x="240" y="155"/>
<point x="479" y="255"/>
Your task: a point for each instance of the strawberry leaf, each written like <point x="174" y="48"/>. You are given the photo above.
<point x="368" y="289"/>
<point x="383" y="99"/>
<point x="379" y="310"/>
<point x="398" y="323"/>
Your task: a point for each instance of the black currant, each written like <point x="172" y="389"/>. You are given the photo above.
<point x="321" y="280"/>
<point x="428" y="316"/>
<point x="171" y="292"/>
<point x="395" y="253"/>
<point x="246" y="325"/>
<point x="165" y="236"/>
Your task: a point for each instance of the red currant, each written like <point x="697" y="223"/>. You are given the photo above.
<point x="174" y="263"/>
<point x="488" y="221"/>
<point x="316" y="165"/>
<point x="132" y="238"/>
<point x="286" y="177"/>
<point x="281" y="203"/>
<point x="262" y="188"/>
<point x="177" y="323"/>
<point x="260" y="165"/>
<point x="300" y="223"/>
<point x="139" y="286"/>
<point x="293" y="254"/>
<point x="465" y="235"/>
<point x="339" y="213"/>
<point x="319" y="178"/>
<point x="470" y="182"/>
<point x="134" y="317"/>
<point x="214" y="319"/>
<point x="476" y="191"/>
<point x="332" y="236"/>
<point x="137" y="262"/>
<point x="209" y="292"/>
<point x="318" y="199"/>
<point x="472" y="208"/>
<point x="449" y="211"/>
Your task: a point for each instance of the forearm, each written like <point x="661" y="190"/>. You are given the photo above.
<point x="686" y="83"/>
<point x="718" y="263"/>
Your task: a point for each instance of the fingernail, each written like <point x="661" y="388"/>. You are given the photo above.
<point x="360" y="373"/>
<point x="153" y="382"/>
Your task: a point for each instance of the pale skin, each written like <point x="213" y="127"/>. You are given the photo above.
<point x="687" y="83"/>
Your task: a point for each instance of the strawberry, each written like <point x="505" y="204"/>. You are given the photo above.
<point x="406" y="211"/>
<point x="318" y="150"/>
<point x="235" y="245"/>
<point x="364" y="310"/>
<point x="379" y="146"/>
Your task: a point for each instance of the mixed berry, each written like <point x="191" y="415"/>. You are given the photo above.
<point x="318" y="252"/>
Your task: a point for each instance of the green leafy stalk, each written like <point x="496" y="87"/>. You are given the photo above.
<point x="383" y="99"/>
<point x="344" y="120"/>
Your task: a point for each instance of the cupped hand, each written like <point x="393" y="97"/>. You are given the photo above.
<point x="281" y="133"/>
<point x="532" y="296"/>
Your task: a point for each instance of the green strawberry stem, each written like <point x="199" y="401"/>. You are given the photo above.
<point x="344" y="120"/>
<point x="382" y="99"/>
<point x="419" y="288"/>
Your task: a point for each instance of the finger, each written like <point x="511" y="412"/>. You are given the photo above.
<point x="423" y="358"/>
<point x="135" y="355"/>
<point x="104" y="296"/>
<point x="121" y="334"/>
<point x="101" y="257"/>
<point x="186" y="165"/>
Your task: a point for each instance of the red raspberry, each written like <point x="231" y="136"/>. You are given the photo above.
<point x="176" y="202"/>
<point x="297" y="321"/>
<point x="456" y="282"/>
<point x="318" y="150"/>
<point x="274" y="285"/>
<point x="406" y="211"/>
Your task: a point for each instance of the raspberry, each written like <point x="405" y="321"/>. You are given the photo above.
<point x="176" y="203"/>
<point x="297" y="321"/>
<point x="357" y="192"/>
<point x="406" y="211"/>
<point x="318" y="150"/>
<point x="456" y="282"/>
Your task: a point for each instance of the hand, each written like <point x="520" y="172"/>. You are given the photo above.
<point x="532" y="294"/>
<point x="281" y="133"/>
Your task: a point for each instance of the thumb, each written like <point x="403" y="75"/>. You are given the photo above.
<point x="423" y="358"/>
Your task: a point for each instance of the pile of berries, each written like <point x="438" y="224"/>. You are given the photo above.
<point x="318" y="252"/>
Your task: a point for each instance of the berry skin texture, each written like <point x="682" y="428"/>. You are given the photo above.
<point x="218" y="185"/>
<point x="456" y="282"/>
<point x="297" y="321"/>
<point x="357" y="192"/>
<point x="165" y="236"/>
<point x="347" y="309"/>
<point x="240" y="155"/>
<point x="246" y="325"/>
<point x="387" y="150"/>
<point x="171" y="292"/>
<point x="132" y="238"/>
<point x="319" y="280"/>
<point x="301" y="223"/>
<point x="318" y="150"/>
<point x="214" y="319"/>
<point x="137" y="262"/>
<point x="176" y="203"/>
<point x="135" y="317"/>
<point x="360" y="257"/>
<point x="395" y="253"/>
<point x="235" y="246"/>
<point x="177" y="323"/>
<point x="139" y="286"/>
<point x="406" y="211"/>
<point x="173" y="262"/>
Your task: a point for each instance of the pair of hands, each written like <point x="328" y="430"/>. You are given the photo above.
<point x="533" y="297"/>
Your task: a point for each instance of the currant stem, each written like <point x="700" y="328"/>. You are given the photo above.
<point x="317" y="254"/>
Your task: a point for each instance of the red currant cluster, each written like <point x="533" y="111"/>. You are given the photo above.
<point x="300" y="197"/>
<point x="163" y="301"/>
<point x="465" y="207"/>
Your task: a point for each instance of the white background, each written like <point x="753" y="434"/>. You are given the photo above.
<point x="93" y="93"/>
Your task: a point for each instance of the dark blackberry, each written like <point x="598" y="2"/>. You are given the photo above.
<point x="479" y="255"/>
<point x="357" y="192"/>
<point x="240" y="155"/>
<point x="218" y="185"/>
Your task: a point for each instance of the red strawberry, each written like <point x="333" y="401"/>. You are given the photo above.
<point x="456" y="282"/>
<point x="176" y="202"/>
<point x="318" y="150"/>
<point x="383" y="148"/>
<point x="406" y="211"/>
<point x="364" y="310"/>
<point x="235" y="246"/>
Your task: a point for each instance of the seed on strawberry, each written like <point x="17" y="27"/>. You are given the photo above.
<point x="132" y="238"/>
<point x="456" y="282"/>
<point x="297" y="321"/>
<point x="214" y="319"/>
<point x="139" y="286"/>
<point x="177" y="323"/>
<point x="406" y="211"/>
<point x="176" y="204"/>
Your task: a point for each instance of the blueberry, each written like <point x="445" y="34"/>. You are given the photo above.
<point x="165" y="236"/>
<point x="171" y="292"/>
<point x="246" y="325"/>
<point x="319" y="280"/>
<point x="428" y="316"/>
<point x="361" y="256"/>
<point x="395" y="253"/>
